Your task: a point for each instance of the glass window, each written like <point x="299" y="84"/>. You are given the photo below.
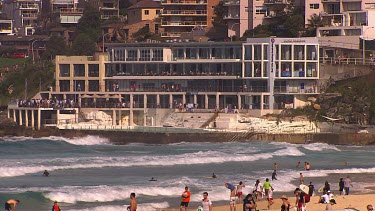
<point x="64" y="70"/>
<point x="79" y="70"/>
<point x="79" y="85"/>
<point x="64" y="85"/>
<point x="299" y="69"/>
<point x="314" y="6"/>
<point x="311" y="69"/>
<point x="157" y="55"/>
<point x="312" y="52"/>
<point x="265" y="52"/>
<point x="147" y="12"/>
<point x="286" y="69"/>
<point x="238" y="53"/>
<point x="217" y="53"/>
<point x="145" y="55"/>
<point x="257" y="52"/>
<point x="286" y="52"/>
<point x="265" y="69"/>
<point x="248" y="52"/>
<point x="93" y="70"/>
<point x="93" y="86"/>
<point x="299" y="52"/>
<point x="119" y="55"/>
<point x="132" y="55"/>
<point x="258" y="69"/>
<point x="204" y="53"/>
<point x="262" y="10"/>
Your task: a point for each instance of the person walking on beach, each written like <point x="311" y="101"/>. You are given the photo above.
<point x="341" y="186"/>
<point x="133" y="202"/>
<point x="232" y="196"/>
<point x="300" y="199"/>
<point x="301" y="181"/>
<point x="185" y="199"/>
<point x="267" y="186"/>
<point x="311" y="189"/>
<point x="285" y="206"/>
<point x="274" y="174"/>
<point x="206" y="203"/>
<point x="347" y="184"/>
<point x="9" y="203"/>
<point x="258" y="190"/>
<point x="270" y="199"/>
<point x="239" y="191"/>
<point x="55" y="207"/>
<point x="249" y="203"/>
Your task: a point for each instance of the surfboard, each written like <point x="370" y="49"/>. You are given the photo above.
<point x="320" y="190"/>
<point x="304" y="188"/>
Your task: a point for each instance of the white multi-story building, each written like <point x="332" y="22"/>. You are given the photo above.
<point x="263" y="75"/>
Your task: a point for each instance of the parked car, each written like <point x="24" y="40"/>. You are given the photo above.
<point x="18" y="56"/>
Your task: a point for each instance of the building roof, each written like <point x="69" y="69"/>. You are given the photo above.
<point x="145" y="4"/>
<point x="23" y="38"/>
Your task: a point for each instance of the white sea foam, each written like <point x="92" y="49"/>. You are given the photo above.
<point x="86" y="140"/>
<point x="320" y="147"/>
<point x="141" y="207"/>
<point x="201" y="157"/>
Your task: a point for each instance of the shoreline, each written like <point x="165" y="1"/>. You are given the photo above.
<point x="355" y="202"/>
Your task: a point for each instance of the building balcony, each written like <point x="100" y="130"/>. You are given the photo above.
<point x="231" y="3"/>
<point x="276" y="2"/>
<point x="187" y="2"/>
<point x="109" y="8"/>
<point x="232" y="16"/>
<point x="184" y="23"/>
<point x="330" y="14"/>
<point x="30" y="15"/>
<point x="170" y="34"/>
<point x="106" y="17"/>
<point x="66" y="2"/>
<point x="184" y="12"/>
<point x="71" y="11"/>
<point x="28" y="7"/>
<point x="328" y="1"/>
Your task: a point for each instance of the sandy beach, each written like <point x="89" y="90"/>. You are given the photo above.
<point x="358" y="202"/>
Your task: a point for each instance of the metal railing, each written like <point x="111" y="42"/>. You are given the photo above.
<point x="184" y="23"/>
<point x="183" y="2"/>
<point x="71" y="10"/>
<point x="184" y="12"/>
<point x="343" y="61"/>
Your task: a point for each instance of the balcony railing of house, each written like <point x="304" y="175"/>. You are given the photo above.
<point x="63" y="2"/>
<point x="184" y="2"/>
<point x="232" y="16"/>
<point x="347" y="61"/>
<point x="71" y="10"/>
<point x="184" y="23"/>
<point x="277" y="2"/>
<point x="193" y="89"/>
<point x="184" y="12"/>
<point x="28" y="6"/>
<point x="30" y="15"/>
<point x="231" y="2"/>
<point x="171" y="34"/>
<point x="105" y="17"/>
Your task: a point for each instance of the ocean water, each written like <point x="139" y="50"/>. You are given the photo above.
<point x="91" y="174"/>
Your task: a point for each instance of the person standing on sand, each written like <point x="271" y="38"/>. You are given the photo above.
<point x="311" y="189"/>
<point x="9" y="203"/>
<point x="239" y="191"/>
<point x="267" y="186"/>
<point x="185" y="199"/>
<point x="206" y="203"/>
<point x="347" y="184"/>
<point x="258" y="190"/>
<point x="285" y="206"/>
<point x="232" y="196"/>
<point x="341" y="186"/>
<point x="55" y="207"/>
<point x="300" y="199"/>
<point x="330" y="204"/>
<point x="133" y="202"/>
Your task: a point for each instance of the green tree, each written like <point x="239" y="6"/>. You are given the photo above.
<point x="258" y="31"/>
<point x="83" y="45"/>
<point x="55" y="46"/>
<point x="90" y="22"/>
<point x="314" y="22"/>
<point x="219" y="30"/>
<point x="294" y="25"/>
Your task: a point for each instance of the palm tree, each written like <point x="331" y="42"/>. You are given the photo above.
<point x="315" y="21"/>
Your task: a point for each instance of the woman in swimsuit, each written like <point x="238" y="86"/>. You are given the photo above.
<point x="239" y="191"/>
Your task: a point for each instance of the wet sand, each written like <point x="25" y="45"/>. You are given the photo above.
<point x="358" y="202"/>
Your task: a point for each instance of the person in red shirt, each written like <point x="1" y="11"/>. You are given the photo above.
<point x="55" y="207"/>
<point x="185" y="199"/>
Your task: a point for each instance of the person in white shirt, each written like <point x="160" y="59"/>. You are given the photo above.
<point x="206" y="203"/>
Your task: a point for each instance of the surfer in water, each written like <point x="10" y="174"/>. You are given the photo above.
<point x="214" y="175"/>
<point x="9" y="203"/>
<point x="153" y="179"/>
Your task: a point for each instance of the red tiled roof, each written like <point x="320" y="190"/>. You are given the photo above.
<point x="145" y="4"/>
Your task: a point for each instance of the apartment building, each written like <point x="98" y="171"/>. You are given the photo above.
<point x="182" y="16"/>
<point x="23" y="13"/>
<point x="109" y="9"/>
<point x="237" y="17"/>
<point x="260" y="76"/>
<point x="68" y="11"/>
<point x="144" y="10"/>
<point x="344" y="18"/>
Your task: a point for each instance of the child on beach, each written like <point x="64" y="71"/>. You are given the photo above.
<point x="270" y="199"/>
